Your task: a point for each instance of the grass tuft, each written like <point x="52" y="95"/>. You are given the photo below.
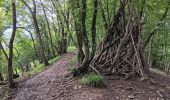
<point x="74" y="71"/>
<point x="92" y="79"/>
<point x="71" y="49"/>
<point x="51" y="61"/>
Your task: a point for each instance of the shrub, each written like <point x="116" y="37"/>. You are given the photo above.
<point x="93" y="80"/>
<point x="71" y="49"/>
<point x="74" y="71"/>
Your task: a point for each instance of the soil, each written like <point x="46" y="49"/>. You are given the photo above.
<point x="55" y="84"/>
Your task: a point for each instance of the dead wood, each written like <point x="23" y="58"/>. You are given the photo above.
<point x="120" y="53"/>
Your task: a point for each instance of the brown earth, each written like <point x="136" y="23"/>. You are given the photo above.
<point x="55" y="84"/>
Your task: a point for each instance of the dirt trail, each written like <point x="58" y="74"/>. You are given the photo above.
<point x="53" y="84"/>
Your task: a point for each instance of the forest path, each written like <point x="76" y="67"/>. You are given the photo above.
<point x="55" y="84"/>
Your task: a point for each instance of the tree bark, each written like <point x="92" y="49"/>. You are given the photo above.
<point x="62" y="44"/>
<point x="10" y="69"/>
<point x="93" y="29"/>
<point x="42" y="48"/>
<point x="84" y="66"/>
<point x="79" y="44"/>
<point x="47" y="49"/>
<point x="41" y="45"/>
<point x="3" y="50"/>
<point x="49" y="30"/>
<point x="34" y="46"/>
<point x="77" y="25"/>
<point x="1" y="76"/>
<point x="103" y="16"/>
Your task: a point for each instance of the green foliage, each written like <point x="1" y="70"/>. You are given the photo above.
<point x="35" y="70"/>
<point x="1" y="1"/>
<point x="73" y="70"/>
<point x="54" y="59"/>
<point x="92" y="79"/>
<point x="2" y="16"/>
<point x="40" y="67"/>
<point x="71" y="49"/>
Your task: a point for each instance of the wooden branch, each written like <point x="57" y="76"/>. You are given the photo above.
<point x="34" y="9"/>
<point x="3" y="50"/>
<point x="29" y="8"/>
<point x="94" y="69"/>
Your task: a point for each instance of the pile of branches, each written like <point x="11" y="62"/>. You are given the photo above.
<point x="121" y="52"/>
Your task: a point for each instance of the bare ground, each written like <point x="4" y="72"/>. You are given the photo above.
<point x="55" y="84"/>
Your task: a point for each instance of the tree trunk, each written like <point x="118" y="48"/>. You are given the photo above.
<point x="10" y="69"/>
<point x="103" y="16"/>
<point x="69" y="29"/>
<point x="3" y="50"/>
<point x="34" y="46"/>
<point x="93" y="29"/>
<point x="77" y="26"/>
<point x="41" y="45"/>
<point x="62" y="44"/>
<point x="47" y="50"/>
<point x="63" y="39"/>
<point x="1" y="76"/>
<point x="84" y="66"/>
<point x="14" y="56"/>
<point x="79" y="44"/>
<point x="40" y="41"/>
<point x="49" y="30"/>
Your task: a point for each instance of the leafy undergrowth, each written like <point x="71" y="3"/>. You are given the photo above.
<point x="51" y="61"/>
<point x="89" y="79"/>
<point x="40" y="68"/>
<point x="92" y="79"/>
<point x="71" y="49"/>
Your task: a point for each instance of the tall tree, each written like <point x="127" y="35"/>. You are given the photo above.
<point x="38" y="34"/>
<point x="93" y="29"/>
<point x="76" y="15"/>
<point x="103" y="15"/>
<point x="49" y="29"/>
<point x="10" y="69"/>
<point x="62" y="41"/>
<point x="83" y="67"/>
